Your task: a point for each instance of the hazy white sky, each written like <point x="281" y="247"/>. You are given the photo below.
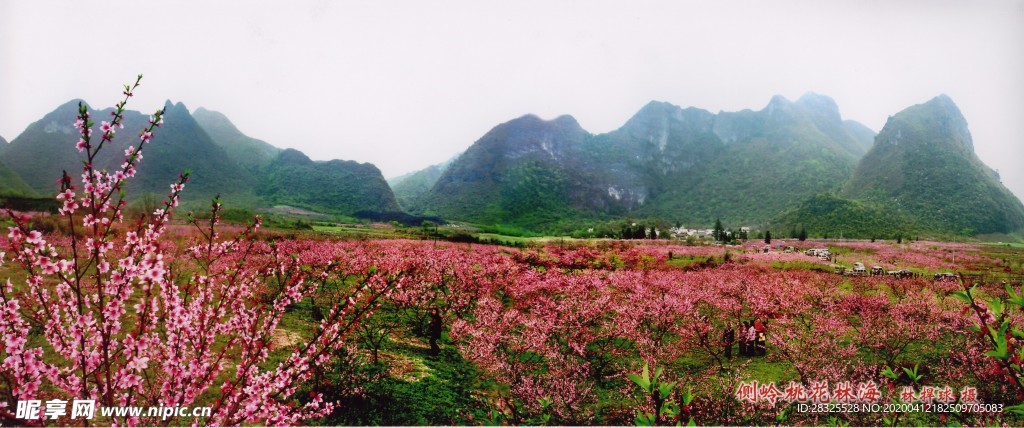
<point x="405" y="84"/>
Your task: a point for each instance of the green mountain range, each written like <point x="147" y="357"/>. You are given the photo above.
<point x="47" y="147"/>
<point x="686" y="165"/>
<point x="746" y="167"/>
<point x="790" y="164"/>
<point x="247" y="172"/>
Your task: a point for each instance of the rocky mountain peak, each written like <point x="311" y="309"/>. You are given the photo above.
<point x="778" y="103"/>
<point x="821" y="105"/>
<point x="936" y="122"/>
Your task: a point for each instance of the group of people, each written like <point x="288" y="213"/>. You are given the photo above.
<point x="752" y="339"/>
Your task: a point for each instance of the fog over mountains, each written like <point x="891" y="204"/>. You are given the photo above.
<point x="788" y="164"/>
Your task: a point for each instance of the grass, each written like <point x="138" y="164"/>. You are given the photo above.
<point x="508" y="230"/>
<point x="1014" y="238"/>
<point x="362" y="231"/>
<point x="535" y="239"/>
<point x="765" y="370"/>
<point x="1004" y="244"/>
<point x="801" y="265"/>
<point x="686" y="261"/>
<point x="414" y="388"/>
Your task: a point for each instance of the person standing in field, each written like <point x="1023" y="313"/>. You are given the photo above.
<point x="435" y="331"/>
<point x="728" y="337"/>
<point x="751" y="334"/>
<point x="759" y="331"/>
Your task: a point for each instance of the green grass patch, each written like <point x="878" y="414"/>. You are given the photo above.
<point x="360" y="231"/>
<point x="685" y="261"/>
<point x="801" y="265"/>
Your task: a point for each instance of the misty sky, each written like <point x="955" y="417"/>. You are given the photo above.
<point x="405" y="84"/>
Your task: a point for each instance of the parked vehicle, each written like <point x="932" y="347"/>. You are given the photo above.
<point x="902" y="273"/>
<point x="858" y="269"/>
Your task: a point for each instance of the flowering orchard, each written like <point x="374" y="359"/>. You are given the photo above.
<point x="174" y="311"/>
<point x="558" y="332"/>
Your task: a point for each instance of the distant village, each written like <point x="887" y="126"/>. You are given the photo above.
<point x="823" y="254"/>
<point x="683" y="233"/>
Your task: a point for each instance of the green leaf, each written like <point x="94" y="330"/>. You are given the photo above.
<point x="912" y="373"/>
<point x="666" y="388"/>
<point x="1000" y="338"/>
<point x="544" y="402"/>
<point x="999" y="352"/>
<point x="783" y="415"/>
<point x="495" y="418"/>
<point x="1018" y="333"/>
<point x="644" y="383"/>
<point x="644" y="419"/>
<point x="1009" y="291"/>
<point x="996" y="306"/>
<point x="687" y="397"/>
<point x="962" y="296"/>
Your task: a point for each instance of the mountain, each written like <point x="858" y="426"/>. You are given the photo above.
<point x="526" y="171"/>
<point x="44" y="149"/>
<point x="792" y="163"/>
<point x="823" y="113"/>
<point x="248" y="152"/>
<point x="863" y="136"/>
<point x="923" y="165"/>
<point x="182" y="144"/>
<point x="47" y="147"/>
<point x="409" y="187"/>
<point x="746" y="167"/>
<point x="830" y="215"/>
<point x="643" y="159"/>
<point x="687" y="165"/>
<point x="337" y="187"/>
<point x="289" y="177"/>
<point x="222" y="160"/>
<point x="10" y="183"/>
